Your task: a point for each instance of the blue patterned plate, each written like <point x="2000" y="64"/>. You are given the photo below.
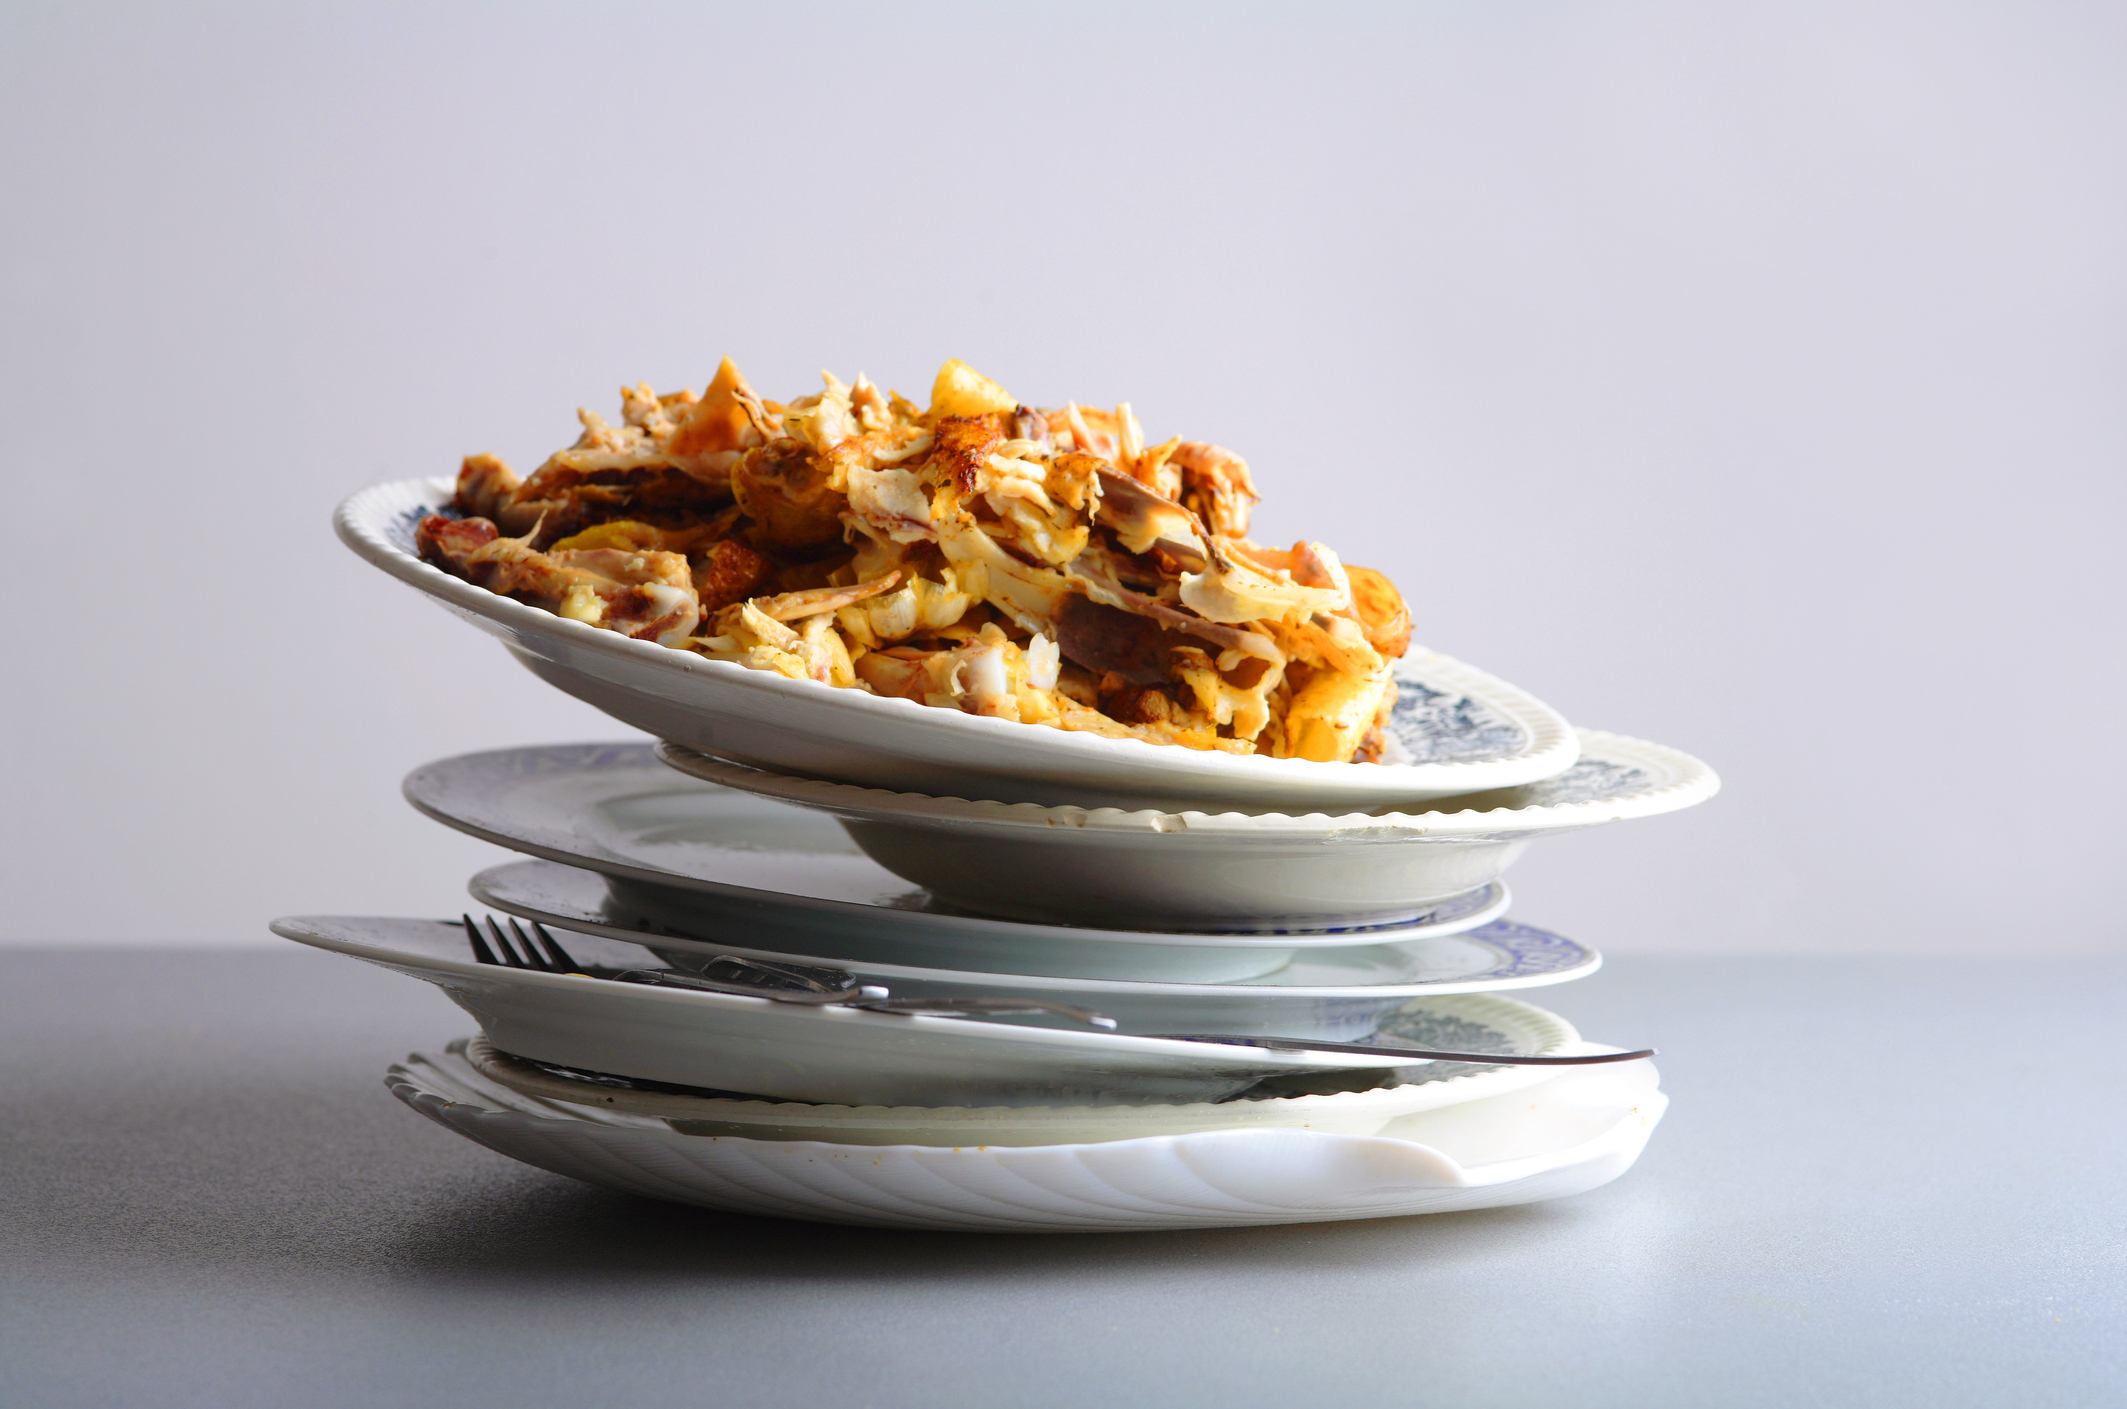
<point x="1332" y="993"/>
<point x="1456" y="729"/>
<point x="692" y="854"/>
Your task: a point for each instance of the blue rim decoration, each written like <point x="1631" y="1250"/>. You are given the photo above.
<point x="1526" y="951"/>
<point x="1433" y="726"/>
<point x="1590" y="780"/>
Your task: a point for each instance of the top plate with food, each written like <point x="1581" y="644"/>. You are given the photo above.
<point x="853" y="587"/>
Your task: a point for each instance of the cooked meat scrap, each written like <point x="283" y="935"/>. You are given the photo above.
<point x="646" y="594"/>
<point x="795" y="606"/>
<point x="445" y="542"/>
<point x="729" y="572"/>
<point x="1216" y="486"/>
<point x="1110" y="641"/>
<point x="486" y="485"/>
<point x="783" y="488"/>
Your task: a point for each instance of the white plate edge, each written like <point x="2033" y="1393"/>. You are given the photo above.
<point x="1691" y="782"/>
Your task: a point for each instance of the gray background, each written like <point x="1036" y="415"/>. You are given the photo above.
<point x="1745" y="377"/>
<point x="206" y="1198"/>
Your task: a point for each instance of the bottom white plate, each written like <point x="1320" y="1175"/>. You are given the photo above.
<point x="1564" y="1136"/>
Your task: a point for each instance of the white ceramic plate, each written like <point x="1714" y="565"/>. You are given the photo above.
<point x="848" y="1056"/>
<point x="1340" y="1113"/>
<point x="1229" y="870"/>
<point x="1331" y="993"/>
<point x="694" y="857"/>
<point x="1563" y="1137"/>
<point x="1460" y="729"/>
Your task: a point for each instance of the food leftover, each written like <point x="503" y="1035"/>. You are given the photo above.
<point x="1046" y="566"/>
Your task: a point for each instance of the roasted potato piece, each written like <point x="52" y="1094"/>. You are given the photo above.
<point x="724" y="419"/>
<point x="963" y="446"/>
<point x="962" y="391"/>
<point x="1331" y="715"/>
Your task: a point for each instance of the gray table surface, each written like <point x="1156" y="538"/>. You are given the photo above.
<point x="1882" y="1183"/>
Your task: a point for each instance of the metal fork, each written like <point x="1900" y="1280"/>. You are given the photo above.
<point x="523" y="954"/>
<point x="779" y="981"/>
<point x="820" y="985"/>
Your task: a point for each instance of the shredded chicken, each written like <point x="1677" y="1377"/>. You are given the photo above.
<point x="1043" y="566"/>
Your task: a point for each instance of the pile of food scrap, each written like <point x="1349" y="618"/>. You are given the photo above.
<point x="1044" y="566"/>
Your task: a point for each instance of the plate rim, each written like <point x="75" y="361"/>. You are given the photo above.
<point x="1689" y="781"/>
<point x="710" y="1107"/>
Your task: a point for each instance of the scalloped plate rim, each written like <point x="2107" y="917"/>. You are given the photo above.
<point x="1690" y="782"/>
<point x="1431" y="1180"/>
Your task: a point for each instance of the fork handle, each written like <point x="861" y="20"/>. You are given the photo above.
<point x="1406" y="1054"/>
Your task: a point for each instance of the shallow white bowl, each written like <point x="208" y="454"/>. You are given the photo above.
<point x="686" y="856"/>
<point x="1339" y="994"/>
<point x="1562" y="1137"/>
<point x="1231" y="870"/>
<point x="1461" y="729"/>
<point x="848" y="1056"/>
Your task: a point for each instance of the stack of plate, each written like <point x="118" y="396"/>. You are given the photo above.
<point x="1067" y="915"/>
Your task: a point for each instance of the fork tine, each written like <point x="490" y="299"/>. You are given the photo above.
<point x="533" y="958"/>
<point x="509" y="955"/>
<point x="561" y="957"/>
<point x="481" y="952"/>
